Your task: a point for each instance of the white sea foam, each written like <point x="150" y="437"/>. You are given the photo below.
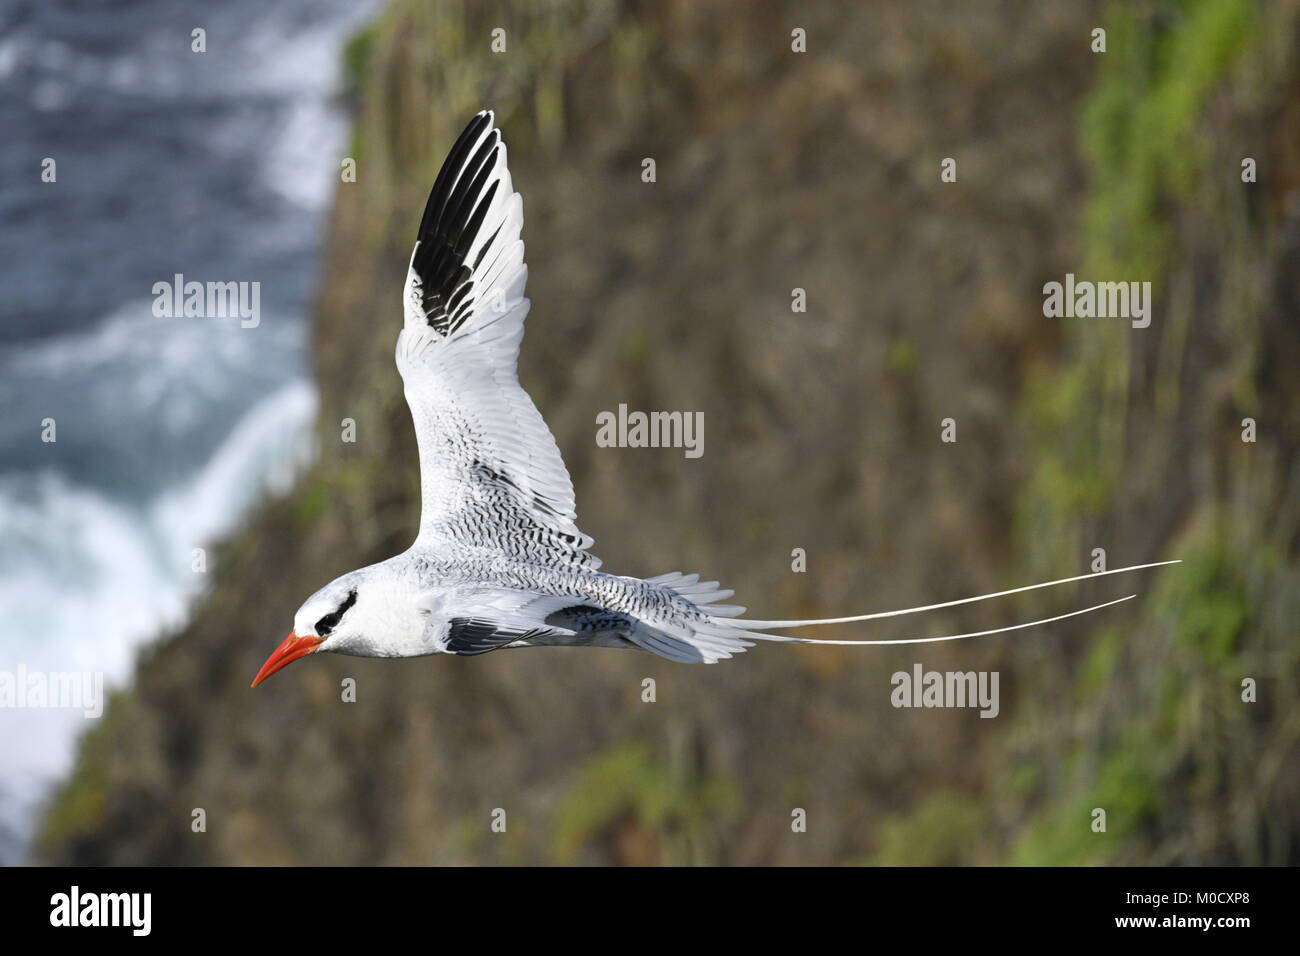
<point x="169" y="430"/>
<point x="84" y="579"/>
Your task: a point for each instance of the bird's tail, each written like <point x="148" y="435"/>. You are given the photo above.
<point x="785" y="639"/>
<point x="767" y="625"/>
<point x="727" y="633"/>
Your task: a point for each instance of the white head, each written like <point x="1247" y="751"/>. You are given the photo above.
<point x="366" y="613"/>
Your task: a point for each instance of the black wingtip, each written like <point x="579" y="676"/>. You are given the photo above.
<point x="456" y="156"/>
<point x="453" y="215"/>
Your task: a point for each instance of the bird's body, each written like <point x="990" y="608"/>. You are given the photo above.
<point x="422" y="602"/>
<point x="499" y="561"/>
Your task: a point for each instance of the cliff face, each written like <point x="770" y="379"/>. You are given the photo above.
<point x="778" y="171"/>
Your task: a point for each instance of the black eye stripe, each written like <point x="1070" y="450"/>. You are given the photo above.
<point x="331" y="620"/>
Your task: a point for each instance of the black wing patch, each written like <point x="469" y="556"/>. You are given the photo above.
<point x="584" y="618"/>
<point x="452" y="217"/>
<point x="470" y="635"/>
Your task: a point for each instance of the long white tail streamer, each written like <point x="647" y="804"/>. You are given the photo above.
<point x="934" y="640"/>
<point x="766" y="625"/>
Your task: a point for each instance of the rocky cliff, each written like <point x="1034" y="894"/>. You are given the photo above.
<point x="778" y="171"/>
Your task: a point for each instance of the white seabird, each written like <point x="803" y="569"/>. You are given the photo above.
<point x="499" y="560"/>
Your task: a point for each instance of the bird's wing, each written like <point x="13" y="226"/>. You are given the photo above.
<point x="469" y="636"/>
<point x="492" y="479"/>
<point x="476" y="620"/>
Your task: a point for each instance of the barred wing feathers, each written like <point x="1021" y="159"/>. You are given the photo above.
<point x="492" y="479"/>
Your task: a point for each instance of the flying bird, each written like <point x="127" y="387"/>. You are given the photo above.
<point x="499" y="560"/>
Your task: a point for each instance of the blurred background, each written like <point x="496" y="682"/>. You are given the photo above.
<point x="776" y="170"/>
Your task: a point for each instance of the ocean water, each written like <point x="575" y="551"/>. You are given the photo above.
<point x="219" y="166"/>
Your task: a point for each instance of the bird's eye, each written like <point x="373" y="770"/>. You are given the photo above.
<point x="331" y="620"/>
